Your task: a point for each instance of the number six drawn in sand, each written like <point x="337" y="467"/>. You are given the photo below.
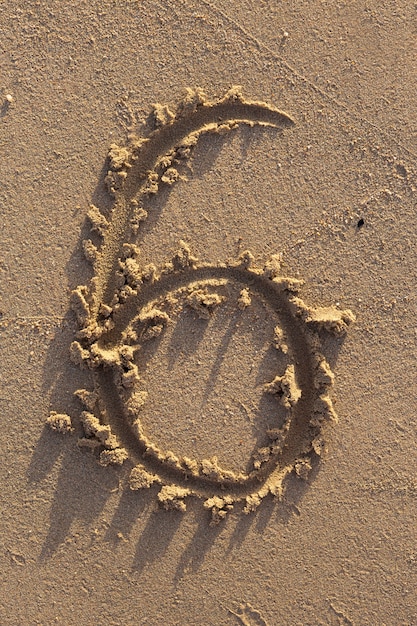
<point x="128" y="303"/>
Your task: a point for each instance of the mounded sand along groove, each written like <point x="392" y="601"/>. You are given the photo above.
<point x="128" y="304"/>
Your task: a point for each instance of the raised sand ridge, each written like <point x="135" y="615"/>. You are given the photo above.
<point x="128" y="304"/>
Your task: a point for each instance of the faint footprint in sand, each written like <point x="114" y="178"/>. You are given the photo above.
<point x="128" y="305"/>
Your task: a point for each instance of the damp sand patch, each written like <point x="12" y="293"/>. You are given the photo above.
<point x="130" y="310"/>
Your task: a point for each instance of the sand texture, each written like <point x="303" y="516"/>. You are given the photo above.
<point x="208" y="313"/>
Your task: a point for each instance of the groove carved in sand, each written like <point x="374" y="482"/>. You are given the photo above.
<point x="128" y="304"/>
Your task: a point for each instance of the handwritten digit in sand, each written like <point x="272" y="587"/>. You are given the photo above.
<point x="128" y="304"/>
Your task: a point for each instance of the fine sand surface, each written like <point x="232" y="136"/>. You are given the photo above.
<point x="208" y="313"/>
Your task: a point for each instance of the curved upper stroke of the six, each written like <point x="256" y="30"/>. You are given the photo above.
<point x="195" y="117"/>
